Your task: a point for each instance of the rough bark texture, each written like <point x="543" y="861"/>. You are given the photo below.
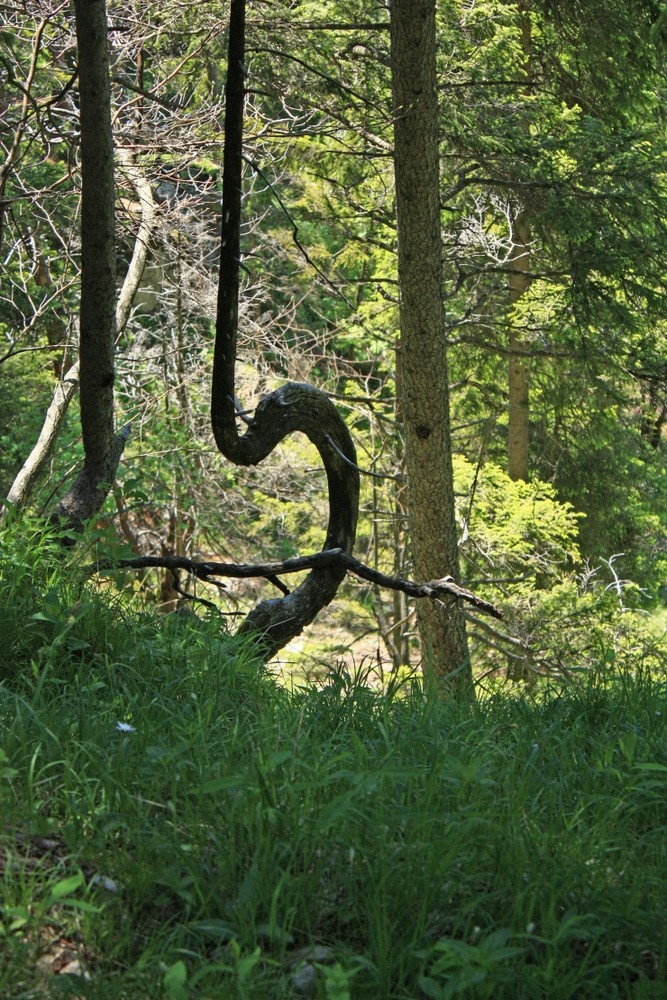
<point x="422" y="360"/>
<point x="102" y="446"/>
<point x="294" y="407"/>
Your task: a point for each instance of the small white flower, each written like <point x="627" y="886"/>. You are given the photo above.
<point x="125" y="727"/>
<point x="531" y="928"/>
<point x="105" y="882"/>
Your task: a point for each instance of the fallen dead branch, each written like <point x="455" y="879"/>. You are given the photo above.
<point x="445" y="589"/>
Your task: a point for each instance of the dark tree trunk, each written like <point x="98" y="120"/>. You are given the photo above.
<point x="294" y="407"/>
<point x="97" y="327"/>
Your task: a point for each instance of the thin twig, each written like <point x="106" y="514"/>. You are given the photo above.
<point x="295" y="231"/>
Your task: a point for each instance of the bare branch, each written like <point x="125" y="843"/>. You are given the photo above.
<point x="444" y="589"/>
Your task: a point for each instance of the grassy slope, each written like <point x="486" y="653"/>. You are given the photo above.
<point x="511" y="850"/>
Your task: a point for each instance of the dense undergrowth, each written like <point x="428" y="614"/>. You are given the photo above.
<point x="175" y="825"/>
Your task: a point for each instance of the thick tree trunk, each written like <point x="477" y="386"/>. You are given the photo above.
<point x="422" y="360"/>
<point x="102" y="446"/>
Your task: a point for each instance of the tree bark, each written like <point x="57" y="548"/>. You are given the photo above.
<point x="422" y="358"/>
<point x="66" y="388"/>
<point x="295" y="407"/>
<point x="518" y="388"/>
<point x="102" y="446"/>
<point x="519" y="361"/>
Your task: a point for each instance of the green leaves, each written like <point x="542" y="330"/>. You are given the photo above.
<point x="174" y="980"/>
<point x="522" y="527"/>
<point x="458" y="967"/>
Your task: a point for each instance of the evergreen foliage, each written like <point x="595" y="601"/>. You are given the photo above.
<point x="575" y="135"/>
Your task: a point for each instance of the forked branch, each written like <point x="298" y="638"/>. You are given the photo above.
<point x="444" y="590"/>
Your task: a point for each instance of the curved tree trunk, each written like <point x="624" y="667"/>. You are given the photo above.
<point x="294" y="407"/>
<point x="25" y="479"/>
<point x="422" y="361"/>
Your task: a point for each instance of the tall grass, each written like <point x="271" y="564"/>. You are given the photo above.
<point x="175" y="825"/>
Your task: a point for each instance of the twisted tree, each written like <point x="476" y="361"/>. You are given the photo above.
<point x="295" y="407"/>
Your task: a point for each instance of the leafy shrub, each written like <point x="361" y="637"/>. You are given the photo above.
<point x="521" y="550"/>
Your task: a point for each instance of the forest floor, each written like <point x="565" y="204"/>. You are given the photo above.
<point x="177" y="825"/>
<point x="345" y="634"/>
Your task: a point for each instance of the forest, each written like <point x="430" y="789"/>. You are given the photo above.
<point x="333" y="530"/>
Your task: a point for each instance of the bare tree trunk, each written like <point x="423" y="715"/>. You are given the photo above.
<point x="66" y="388"/>
<point x="97" y="328"/>
<point x="422" y="359"/>
<point x="55" y="415"/>
<point x="519" y="361"/>
<point x="518" y="390"/>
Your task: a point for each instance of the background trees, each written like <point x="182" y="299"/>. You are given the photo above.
<point x="563" y="125"/>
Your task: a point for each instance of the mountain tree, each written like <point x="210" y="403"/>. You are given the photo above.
<point x="295" y="407"/>
<point x="422" y="357"/>
<point x="103" y="447"/>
